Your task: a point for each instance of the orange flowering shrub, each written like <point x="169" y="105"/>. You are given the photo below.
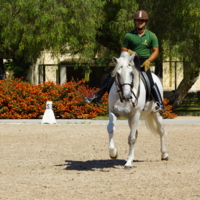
<point x="21" y="100"/>
<point x="168" y="110"/>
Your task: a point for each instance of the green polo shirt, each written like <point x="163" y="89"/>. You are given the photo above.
<point x="141" y="45"/>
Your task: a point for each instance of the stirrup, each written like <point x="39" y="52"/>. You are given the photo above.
<point x="160" y="108"/>
<point x="161" y="111"/>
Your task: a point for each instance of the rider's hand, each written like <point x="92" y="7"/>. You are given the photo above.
<point x="146" y="65"/>
<point x="131" y="52"/>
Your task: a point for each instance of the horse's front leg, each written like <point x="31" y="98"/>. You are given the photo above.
<point x="111" y="129"/>
<point x="133" y="123"/>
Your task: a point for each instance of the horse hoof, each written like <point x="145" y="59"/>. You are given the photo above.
<point x="167" y="158"/>
<point x="113" y="154"/>
<point x="127" y="167"/>
<point x="114" y="157"/>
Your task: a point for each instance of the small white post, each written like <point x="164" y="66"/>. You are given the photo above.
<point x="48" y="117"/>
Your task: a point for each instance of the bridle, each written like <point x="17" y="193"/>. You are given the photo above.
<point x="120" y="89"/>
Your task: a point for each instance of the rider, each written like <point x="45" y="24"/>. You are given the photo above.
<point x="145" y="44"/>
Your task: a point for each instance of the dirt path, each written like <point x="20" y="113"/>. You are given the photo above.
<point x="65" y="161"/>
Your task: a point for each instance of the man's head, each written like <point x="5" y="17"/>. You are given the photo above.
<point x="140" y="19"/>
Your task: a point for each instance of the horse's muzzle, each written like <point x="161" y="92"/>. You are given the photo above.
<point x="126" y="92"/>
<point x="127" y="98"/>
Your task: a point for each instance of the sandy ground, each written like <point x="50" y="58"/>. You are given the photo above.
<point x="71" y="161"/>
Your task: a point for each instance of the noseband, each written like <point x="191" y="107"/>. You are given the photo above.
<point x="121" y="85"/>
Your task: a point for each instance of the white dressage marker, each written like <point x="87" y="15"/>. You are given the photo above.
<point x="48" y="117"/>
<point x="127" y="98"/>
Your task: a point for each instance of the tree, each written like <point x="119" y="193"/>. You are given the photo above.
<point x="117" y="18"/>
<point x="29" y="27"/>
<point x="78" y="27"/>
<point x="189" y="50"/>
<point x="177" y="24"/>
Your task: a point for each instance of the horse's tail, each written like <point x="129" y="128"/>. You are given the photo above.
<point x="152" y="126"/>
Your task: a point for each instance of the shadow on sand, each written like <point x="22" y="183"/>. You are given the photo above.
<point x="91" y="165"/>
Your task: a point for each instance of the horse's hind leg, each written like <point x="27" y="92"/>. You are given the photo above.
<point x="161" y="131"/>
<point x="111" y="129"/>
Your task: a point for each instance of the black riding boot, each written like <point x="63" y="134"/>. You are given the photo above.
<point x="157" y="98"/>
<point x="105" y="86"/>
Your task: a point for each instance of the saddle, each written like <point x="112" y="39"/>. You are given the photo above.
<point x="145" y="76"/>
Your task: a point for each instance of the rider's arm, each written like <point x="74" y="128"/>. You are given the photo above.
<point x="154" y="54"/>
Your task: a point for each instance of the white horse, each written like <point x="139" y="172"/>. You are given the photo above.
<point x="127" y="98"/>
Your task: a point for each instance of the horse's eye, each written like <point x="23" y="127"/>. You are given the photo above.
<point x="132" y="74"/>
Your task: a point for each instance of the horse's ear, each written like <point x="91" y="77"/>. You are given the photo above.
<point x="114" y="59"/>
<point x="132" y="57"/>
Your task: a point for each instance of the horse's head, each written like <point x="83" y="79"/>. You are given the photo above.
<point x="124" y="74"/>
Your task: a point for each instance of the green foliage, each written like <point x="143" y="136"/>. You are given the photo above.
<point x="177" y="25"/>
<point x="29" y="27"/>
<point x="117" y="21"/>
<point x="78" y="27"/>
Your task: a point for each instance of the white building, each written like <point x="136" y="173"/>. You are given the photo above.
<point x="47" y="69"/>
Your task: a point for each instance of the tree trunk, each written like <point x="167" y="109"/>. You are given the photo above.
<point x="2" y="71"/>
<point x="159" y="63"/>
<point x="191" y="74"/>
